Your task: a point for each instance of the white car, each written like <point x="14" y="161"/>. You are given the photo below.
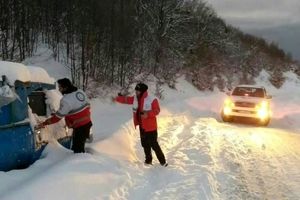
<point x="247" y="101"/>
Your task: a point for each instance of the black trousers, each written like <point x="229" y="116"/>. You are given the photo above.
<point x="80" y="135"/>
<point x="148" y="142"/>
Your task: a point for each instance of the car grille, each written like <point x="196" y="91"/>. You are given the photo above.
<point x="244" y="104"/>
<point x="244" y="111"/>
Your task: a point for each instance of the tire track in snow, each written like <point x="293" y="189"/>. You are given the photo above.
<point x="251" y="161"/>
<point x="189" y="159"/>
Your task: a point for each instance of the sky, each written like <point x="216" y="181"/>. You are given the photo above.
<point x="208" y="159"/>
<point x="274" y="20"/>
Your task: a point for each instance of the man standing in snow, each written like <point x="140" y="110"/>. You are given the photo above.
<point x="75" y="108"/>
<point x="145" y="108"/>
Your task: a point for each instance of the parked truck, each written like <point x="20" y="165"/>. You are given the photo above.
<point x="27" y="95"/>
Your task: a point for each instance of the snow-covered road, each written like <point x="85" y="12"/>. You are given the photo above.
<point x="212" y="160"/>
<point x="207" y="159"/>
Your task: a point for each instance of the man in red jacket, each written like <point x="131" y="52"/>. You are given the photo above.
<point x="145" y="108"/>
<point x="75" y="108"/>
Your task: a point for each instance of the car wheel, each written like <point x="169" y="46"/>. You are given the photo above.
<point x="265" y="122"/>
<point x="226" y="118"/>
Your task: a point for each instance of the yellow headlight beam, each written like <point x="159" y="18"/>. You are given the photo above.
<point x="263" y="110"/>
<point x="228" y="105"/>
<point x="227" y="110"/>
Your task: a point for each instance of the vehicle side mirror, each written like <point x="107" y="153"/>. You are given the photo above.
<point x="269" y="96"/>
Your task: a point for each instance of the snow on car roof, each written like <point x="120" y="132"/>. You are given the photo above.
<point x="39" y="74"/>
<point x="17" y="71"/>
<point x="14" y="71"/>
<point x="250" y="86"/>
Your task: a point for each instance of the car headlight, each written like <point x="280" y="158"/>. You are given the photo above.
<point x="228" y="105"/>
<point x="262" y="110"/>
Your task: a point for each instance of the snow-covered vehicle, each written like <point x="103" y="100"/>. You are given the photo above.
<point x="247" y="101"/>
<point x="27" y="95"/>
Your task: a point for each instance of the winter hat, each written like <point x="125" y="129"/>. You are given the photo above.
<point x="142" y="87"/>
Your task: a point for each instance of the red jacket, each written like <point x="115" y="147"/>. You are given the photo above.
<point x="73" y="120"/>
<point x="146" y="104"/>
<point x="75" y="108"/>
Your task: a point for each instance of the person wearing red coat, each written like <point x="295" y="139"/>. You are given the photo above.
<point x="145" y="109"/>
<point x="75" y="108"/>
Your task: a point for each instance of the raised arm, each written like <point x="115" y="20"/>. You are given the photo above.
<point x="124" y="99"/>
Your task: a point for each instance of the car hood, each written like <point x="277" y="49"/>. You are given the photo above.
<point x="247" y="99"/>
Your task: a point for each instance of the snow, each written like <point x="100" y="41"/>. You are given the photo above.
<point x="16" y="71"/>
<point x="39" y="74"/>
<point x="208" y="159"/>
<point x="57" y="130"/>
<point x="44" y="58"/>
<point x="7" y="95"/>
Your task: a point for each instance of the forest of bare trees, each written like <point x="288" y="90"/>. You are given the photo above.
<point x="112" y="41"/>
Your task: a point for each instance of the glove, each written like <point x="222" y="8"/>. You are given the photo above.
<point x="41" y="125"/>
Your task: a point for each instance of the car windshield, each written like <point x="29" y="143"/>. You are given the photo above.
<point x="248" y="91"/>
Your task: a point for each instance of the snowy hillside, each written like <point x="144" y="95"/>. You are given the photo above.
<point x="208" y="159"/>
<point x="44" y="58"/>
